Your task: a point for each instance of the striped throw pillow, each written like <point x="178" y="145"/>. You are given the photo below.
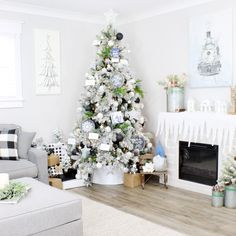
<point x="8" y="145"/>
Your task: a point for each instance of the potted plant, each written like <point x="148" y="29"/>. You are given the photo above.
<point x="174" y="85"/>
<point x="228" y="178"/>
<point x="217" y="199"/>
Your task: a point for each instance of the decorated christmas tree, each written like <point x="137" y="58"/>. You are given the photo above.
<point x="109" y="126"/>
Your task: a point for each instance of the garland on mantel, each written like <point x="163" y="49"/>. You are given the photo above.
<point x="213" y="128"/>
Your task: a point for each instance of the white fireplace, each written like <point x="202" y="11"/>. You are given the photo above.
<point x="195" y="127"/>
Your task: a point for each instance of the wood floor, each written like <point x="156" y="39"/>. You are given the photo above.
<point x="184" y="211"/>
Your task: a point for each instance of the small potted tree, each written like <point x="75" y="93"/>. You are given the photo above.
<point x="228" y="178"/>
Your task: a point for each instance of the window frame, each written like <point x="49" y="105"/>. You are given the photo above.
<point x="13" y="28"/>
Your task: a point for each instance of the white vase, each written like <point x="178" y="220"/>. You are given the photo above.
<point x="108" y="175"/>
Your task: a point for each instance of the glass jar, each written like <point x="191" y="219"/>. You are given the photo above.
<point x="175" y="99"/>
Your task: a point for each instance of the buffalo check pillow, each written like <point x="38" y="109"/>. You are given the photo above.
<point x="8" y="145"/>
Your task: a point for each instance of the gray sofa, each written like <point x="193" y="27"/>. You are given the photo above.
<point x="33" y="163"/>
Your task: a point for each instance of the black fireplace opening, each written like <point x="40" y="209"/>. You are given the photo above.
<point x="198" y="163"/>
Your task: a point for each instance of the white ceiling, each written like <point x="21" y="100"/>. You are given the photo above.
<point x="93" y="10"/>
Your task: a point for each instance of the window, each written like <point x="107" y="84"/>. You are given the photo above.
<point x="10" y="73"/>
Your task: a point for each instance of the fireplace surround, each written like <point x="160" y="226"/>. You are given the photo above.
<point x="216" y="130"/>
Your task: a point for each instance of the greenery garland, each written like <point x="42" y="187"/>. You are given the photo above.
<point x="13" y="190"/>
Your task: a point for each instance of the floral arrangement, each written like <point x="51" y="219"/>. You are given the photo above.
<point x="218" y="188"/>
<point x="13" y="191"/>
<point x="173" y="81"/>
<point x="228" y="175"/>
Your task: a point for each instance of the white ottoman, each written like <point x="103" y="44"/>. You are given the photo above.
<point x="44" y="211"/>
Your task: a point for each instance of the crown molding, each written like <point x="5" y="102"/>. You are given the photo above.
<point x="165" y="10"/>
<point x="78" y="16"/>
<point x="49" y="12"/>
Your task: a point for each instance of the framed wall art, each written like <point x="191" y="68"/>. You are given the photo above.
<point x="210" y="54"/>
<point x="47" y="61"/>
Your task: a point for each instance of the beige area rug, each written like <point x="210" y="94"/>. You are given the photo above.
<point x="103" y="220"/>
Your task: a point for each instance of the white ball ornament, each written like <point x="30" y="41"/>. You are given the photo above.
<point x="141" y="120"/>
<point x="99" y="115"/>
<point x="107" y="61"/>
<point x="115" y="104"/>
<point x="129" y="154"/>
<point x="99" y="165"/>
<point x="108" y="129"/>
<point x="109" y="68"/>
<point x="110" y="43"/>
<point x="104" y="70"/>
<point x="149" y="145"/>
<point x="128" y="122"/>
<point x="131" y="94"/>
<point x="101" y="89"/>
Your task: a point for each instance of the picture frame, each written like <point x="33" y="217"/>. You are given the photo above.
<point x="47" y="61"/>
<point x="210" y="52"/>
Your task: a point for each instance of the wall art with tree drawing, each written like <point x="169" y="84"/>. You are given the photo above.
<point x="47" y="61"/>
<point x="211" y="40"/>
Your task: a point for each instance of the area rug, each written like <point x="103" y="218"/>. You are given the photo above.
<point x="103" y="220"/>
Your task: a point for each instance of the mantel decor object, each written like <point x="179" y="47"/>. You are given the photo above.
<point x="174" y="85"/>
<point x="233" y="101"/>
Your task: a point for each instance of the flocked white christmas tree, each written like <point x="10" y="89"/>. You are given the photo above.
<point x="109" y="126"/>
<point x="228" y="175"/>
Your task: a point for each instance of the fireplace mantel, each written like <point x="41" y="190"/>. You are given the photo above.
<point x="217" y="128"/>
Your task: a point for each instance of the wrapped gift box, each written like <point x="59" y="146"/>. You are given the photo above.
<point x="132" y="180"/>
<point x="56" y="182"/>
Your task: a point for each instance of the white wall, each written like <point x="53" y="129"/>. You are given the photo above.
<point x="159" y="46"/>
<point x="45" y="113"/>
